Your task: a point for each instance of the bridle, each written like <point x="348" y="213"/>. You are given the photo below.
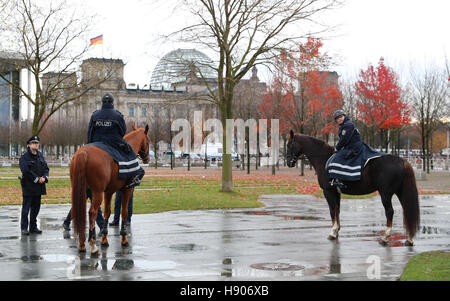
<point x="143" y="154"/>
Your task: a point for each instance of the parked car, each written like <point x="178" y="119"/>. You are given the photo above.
<point x="176" y="154"/>
<point x="194" y="156"/>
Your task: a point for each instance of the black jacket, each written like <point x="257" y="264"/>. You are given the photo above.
<point x="107" y="125"/>
<point x="33" y="167"/>
<point x="349" y="137"/>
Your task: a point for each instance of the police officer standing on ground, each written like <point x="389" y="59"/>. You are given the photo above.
<point x="350" y="141"/>
<point x="34" y="176"/>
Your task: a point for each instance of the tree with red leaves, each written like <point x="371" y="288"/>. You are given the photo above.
<point x="302" y="96"/>
<point x="380" y="105"/>
<point x="324" y="98"/>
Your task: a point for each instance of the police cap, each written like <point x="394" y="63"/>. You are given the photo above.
<point x="33" y="139"/>
<point x="338" y="113"/>
<point x="107" y="98"/>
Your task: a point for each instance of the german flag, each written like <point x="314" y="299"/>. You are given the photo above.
<point x="97" y="40"/>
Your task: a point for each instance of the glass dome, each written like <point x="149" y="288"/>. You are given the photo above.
<point x="176" y="65"/>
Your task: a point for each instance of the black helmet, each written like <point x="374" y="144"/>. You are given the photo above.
<point x="338" y="113"/>
<point x="107" y="98"/>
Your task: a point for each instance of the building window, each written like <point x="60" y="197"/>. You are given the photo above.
<point x="131" y="112"/>
<point x="143" y="112"/>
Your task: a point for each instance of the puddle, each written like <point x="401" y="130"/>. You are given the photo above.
<point x="227" y="261"/>
<point x="271" y="243"/>
<point x="337" y="268"/>
<point x="187" y="247"/>
<point x="184" y="225"/>
<point x="284" y="216"/>
<point x="155" y="265"/>
<point x="430" y="230"/>
<point x="123" y="264"/>
<point x="9" y="237"/>
<point x="277" y="266"/>
<point x="31" y="258"/>
<point x="58" y="258"/>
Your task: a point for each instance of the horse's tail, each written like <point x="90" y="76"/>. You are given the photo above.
<point x="409" y="198"/>
<point x="78" y="177"/>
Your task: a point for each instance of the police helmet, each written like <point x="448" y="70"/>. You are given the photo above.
<point x="107" y="98"/>
<point x="338" y="113"/>
<point x="34" y="139"/>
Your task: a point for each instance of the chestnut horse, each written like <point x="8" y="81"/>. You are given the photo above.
<point x="388" y="175"/>
<point x="95" y="168"/>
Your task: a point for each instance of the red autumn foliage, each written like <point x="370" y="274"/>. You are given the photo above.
<point x="381" y="105"/>
<point x="324" y="98"/>
<point x="318" y="97"/>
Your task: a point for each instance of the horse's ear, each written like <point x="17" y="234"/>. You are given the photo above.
<point x="146" y="129"/>
<point x="291" y="134"/>
<point x="133" y="127"/>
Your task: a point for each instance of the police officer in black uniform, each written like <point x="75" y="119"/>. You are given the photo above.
<point x="350" y="140"/>
<point x="108" y="125"/>
<point x="34" y="176"/>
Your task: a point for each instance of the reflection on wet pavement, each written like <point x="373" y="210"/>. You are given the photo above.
<point x="285" y="240"/>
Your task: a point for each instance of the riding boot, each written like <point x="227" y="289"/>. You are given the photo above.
<point x="338" y="183"/>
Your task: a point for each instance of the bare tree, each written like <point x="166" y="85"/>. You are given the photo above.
<point x="158" y="131"/>
<point x="430" y="95"/>
<point x="51" y="42"/>
<point x="244" y="34"/>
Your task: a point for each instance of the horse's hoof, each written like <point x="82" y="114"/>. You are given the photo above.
<point x="104" y="244"/>
<point x="82" y="250"/>
<point x="332" y="237"/>
<point x="409" y="243"/>
<point x="95" y="254"/>
<point x="383" y="242"/>
<point x="125" y="244"/>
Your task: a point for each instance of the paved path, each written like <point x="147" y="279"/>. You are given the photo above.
<point x="286" y="240"/>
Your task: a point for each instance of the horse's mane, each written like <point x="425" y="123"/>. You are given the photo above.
<point x="132" y="133"/>
<point x="320" y="144"/>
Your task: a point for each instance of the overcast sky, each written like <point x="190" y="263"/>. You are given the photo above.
<point x="404" y="32"/>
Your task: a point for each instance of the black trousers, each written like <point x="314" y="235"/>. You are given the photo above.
<point x="118" y="206"/>
<point x="100" y="220"/>
<point x="30" y="205"/>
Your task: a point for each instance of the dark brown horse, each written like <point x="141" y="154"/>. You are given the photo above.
<point x="95" y="168"/>
<point x="388" y="175"/>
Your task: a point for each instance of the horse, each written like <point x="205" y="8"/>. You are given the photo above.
<point x="94" y="168"/>
<point x="387" y="174"/>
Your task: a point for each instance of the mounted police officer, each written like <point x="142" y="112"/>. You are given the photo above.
<point x="107" y="125"/>
<point x="34" y="176"/>
<point x="350" y="143"/>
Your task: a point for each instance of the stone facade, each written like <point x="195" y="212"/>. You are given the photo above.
<point x="138" y="104"/>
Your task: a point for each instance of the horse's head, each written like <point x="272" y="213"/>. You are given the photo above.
<point x="143" y="143"/>
<point x="294" y="149"/>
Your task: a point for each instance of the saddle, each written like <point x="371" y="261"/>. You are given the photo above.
<point x="347" y="166"/>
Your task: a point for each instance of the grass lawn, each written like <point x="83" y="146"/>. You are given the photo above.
<point x="428" y="266"/>
<point x="180" y="192"/>
<point x="163" y="191"/>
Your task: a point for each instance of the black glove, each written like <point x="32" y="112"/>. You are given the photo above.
<point x="125" y="148"/>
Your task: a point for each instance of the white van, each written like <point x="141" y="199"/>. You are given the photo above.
<point x="215" y="150"/>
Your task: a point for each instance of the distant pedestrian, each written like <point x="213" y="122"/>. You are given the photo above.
<point x="34" y="176"/>
<point x="118" y="206"/>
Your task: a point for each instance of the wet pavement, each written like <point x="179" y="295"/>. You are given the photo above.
<point x="285" y="240"/>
